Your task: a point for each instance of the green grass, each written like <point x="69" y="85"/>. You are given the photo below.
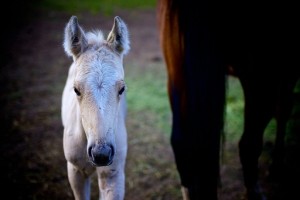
<point x="147" y="95"/>
<point x="95" y="6"/>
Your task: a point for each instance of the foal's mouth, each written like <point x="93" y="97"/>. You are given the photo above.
<point x="101" y="155"/>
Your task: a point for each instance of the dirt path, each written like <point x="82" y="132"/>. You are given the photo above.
<point x="31" y="132"/>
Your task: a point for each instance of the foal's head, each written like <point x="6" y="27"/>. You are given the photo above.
<point x="98" y="84"/>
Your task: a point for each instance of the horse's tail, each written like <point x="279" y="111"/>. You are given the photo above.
<point x="171" y="41"/>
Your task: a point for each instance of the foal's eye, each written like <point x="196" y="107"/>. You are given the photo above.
<point x="122" y="90"/>
<point x="76" y="91"/>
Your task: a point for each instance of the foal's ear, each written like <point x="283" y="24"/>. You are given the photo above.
<point x="75" y="41"/>
<point x="118" y="37"/>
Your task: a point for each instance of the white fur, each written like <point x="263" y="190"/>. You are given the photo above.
<point x="97" y="116"/>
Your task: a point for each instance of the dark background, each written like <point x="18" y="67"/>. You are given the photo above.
<point x="32" y="163"/>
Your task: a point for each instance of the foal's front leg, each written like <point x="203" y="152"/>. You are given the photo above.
<point x="80" y="182"/>
<point x="111" y="183"/>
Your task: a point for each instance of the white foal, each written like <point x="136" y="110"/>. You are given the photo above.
<point x="94" y="110"/>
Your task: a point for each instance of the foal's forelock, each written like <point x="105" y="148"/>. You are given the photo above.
<point x="95" y="37"/>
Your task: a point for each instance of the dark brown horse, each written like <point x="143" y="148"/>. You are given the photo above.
<point x="199" y="40"/>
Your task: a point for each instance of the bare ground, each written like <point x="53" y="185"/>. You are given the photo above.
<point x="33" y="73"/>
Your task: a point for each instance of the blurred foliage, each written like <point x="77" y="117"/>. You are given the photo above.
<point x="95" y="6"/>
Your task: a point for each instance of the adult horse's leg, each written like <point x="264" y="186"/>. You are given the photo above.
<point x="265" y="97"/>
<point x="198" y="121"/>
<point x="283" y="113"/>
<point x="257" y="116"/>
<point x="260" y="93"/>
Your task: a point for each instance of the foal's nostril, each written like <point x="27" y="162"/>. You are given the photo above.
<point x="101" y="155"/>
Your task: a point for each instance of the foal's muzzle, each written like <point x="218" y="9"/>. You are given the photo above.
<point x="101" y="154"/>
